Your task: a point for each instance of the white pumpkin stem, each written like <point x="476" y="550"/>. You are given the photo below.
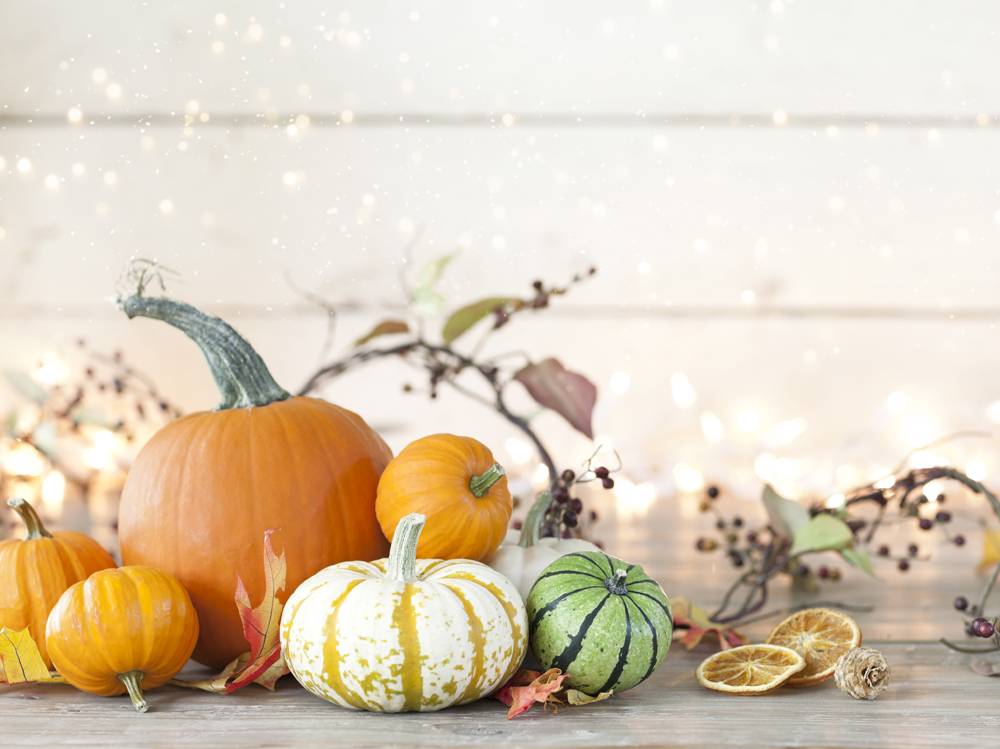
<point x="30" y="518"/>
<point x="403" y="552"/>
<point x="532" y="528"/>
<point x="133" y="683"/>
<point x="616" y="583"/>
<point x="481" y="484"/>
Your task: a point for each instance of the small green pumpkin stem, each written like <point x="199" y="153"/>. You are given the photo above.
<point x="30" y="519"/>
<point x="133" y="683"/>
<point x="616" y="583"/>
<point x="481" y="484"/>
<point x="240" y="374"/>
<point x="532" y="528"/>
<point x="403" y="552"/>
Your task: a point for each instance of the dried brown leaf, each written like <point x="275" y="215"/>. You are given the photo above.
<point x="567" y="393"/>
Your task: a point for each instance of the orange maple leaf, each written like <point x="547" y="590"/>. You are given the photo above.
<point x="696" y="621"/>
<point x="263" y="664"/>
<point x="528" y="687"/>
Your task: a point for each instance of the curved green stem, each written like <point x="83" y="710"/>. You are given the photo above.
<point x="532" y="528"/>
<point x="240" y="374"/>
<point x="481" y="484"/>
<point x="964" y="649"/>
<point x="402" y="564"/>
<point x="133" y="683"/>
<point x="30" y="519"/>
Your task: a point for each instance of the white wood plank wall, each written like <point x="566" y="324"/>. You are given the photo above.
<point x="795" y="204"/>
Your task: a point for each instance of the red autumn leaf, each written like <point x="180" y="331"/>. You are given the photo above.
<point x="569" y="394"/>
<point x="263" y="664"/>
<point x="695" y="620"/>
<point x="528" y="687"/>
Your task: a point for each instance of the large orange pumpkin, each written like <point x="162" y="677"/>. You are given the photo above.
<point x="206" y="487"/>
<point x="35" y="571"/>
<point x="461" y="489"/>
<point x="126" y="629"/>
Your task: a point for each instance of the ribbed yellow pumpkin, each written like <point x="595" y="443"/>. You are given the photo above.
<point x="401" y="634"/>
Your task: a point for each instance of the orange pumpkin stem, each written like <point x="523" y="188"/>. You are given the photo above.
<point x="240" y="374"/>
<point x="30" y="519"/>
<point x="480" y="484"/>
<point x="402" y="564"/>
<point x="532" y="528"/>
<point x="133" y="683"/>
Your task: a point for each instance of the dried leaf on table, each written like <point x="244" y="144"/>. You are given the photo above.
<point x="985" y="668"/>
<point x="386" y="327"/>
<point x="20" y="660"/>
<point x="528" y="687"/>
<point x="991" y="550"/>
<point x="569" y="394"/>
<point x="462" y="320"/>
<point x="696" y="621"/>
<point x="263" y="664"/>
<point x="576" y="697"/>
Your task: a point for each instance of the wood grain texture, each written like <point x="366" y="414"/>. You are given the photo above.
<point x="933" y="699"/>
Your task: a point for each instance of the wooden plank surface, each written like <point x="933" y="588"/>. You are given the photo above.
<point x="933" y="700"/>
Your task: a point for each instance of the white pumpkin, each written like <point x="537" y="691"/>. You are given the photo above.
<point x="523" y="555"/>
<point x="402" y="634"/>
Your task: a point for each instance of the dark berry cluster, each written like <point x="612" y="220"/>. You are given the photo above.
<point x="566" y="512"/>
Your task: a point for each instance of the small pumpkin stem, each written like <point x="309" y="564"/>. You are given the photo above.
<point x="133" y="683"/>
<point x="402" y="564"/>
<point x="481" y="484"/>
<point x="532" y="528"/>
<point x="616" y="583"/>
<point x="240" y="374"/>
<point x="30" y="519"/>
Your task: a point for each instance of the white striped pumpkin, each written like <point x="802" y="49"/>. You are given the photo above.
<point x="402" y="634"/>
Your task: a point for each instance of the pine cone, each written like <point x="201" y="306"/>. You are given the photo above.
<point x="863" y="673"/>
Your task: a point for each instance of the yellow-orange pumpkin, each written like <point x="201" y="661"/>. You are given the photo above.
<point x="35" y="571"/>
<point x="121" y="630"/>
<point x="205" y="488"/>
<point x="461" y="489"/>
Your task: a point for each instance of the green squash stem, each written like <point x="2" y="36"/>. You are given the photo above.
<point x="532" y="528"/>
<point x="402" y="564"/>
<point x="240" y="374"/>
<point x="30" y="519"/>
<point x="133" y="683"/>
<point x="481" y="484"/>
<point x="616" y="583"/>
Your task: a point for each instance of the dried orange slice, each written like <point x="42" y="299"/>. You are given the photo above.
<point x="749" y="669"/>
<point x="820" y="636"/>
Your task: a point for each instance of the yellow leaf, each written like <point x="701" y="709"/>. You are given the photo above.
<point x="991" y="550"/>
<point x="20" y="657"/>
<point x="576" y="697"/>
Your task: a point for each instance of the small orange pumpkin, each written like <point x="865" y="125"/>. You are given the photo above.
<point x="461" y="489"/>
<point x="130" y="629"/>
<point x="36" y="570"/>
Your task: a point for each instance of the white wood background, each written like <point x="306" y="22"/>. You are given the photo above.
<point x="642" y="141"/>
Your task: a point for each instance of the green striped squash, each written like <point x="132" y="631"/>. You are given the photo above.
<point x="601" y="620"/>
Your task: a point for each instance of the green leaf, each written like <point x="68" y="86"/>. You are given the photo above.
<point x="786" y="516"/>
<point x="821" y="533"/>
<point x="44" y="437"/>
<point x="859" y="559"/>
<point x="91" y="416"/>
<point x="28" y="387"/>
<point x="386" y="327"/>
<point x="427" y="302"/>
<point x="459" y="322"/>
